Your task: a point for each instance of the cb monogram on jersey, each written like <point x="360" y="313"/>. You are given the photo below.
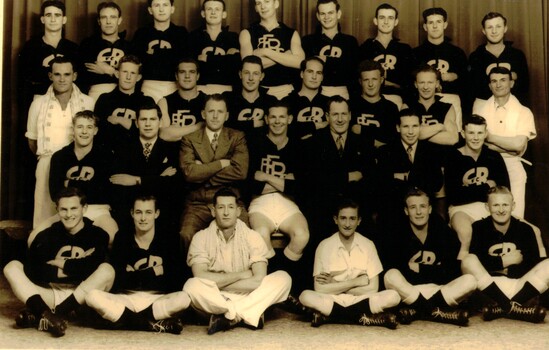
<point x="441" y="65"/>
<point x="366" y="119"/>
<point x="331" y="51"/>
<point x="148" y="262"/>
<point x="160" y="44"/>
<point x="268" y="41"/>
<point x="310" y="114"/>
<point x="271" y="166"/>
<point x="111" y="56"/>
<point x="183" y="118"/>
<point x="501" y="249"/>
<point x="424" y="257"/>
<point x="84" y="173"/>
<point x="388" y="62"/>
<point x="475" y="176"/>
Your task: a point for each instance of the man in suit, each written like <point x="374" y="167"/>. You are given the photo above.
<point x="211" y="157"/>
<point x="340" y="165"/>
<point x="146" y="163"/>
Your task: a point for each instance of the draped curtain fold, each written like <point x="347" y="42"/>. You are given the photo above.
<point x="527" y="22"/>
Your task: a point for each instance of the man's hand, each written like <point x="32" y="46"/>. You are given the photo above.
<point x="225" y="163"/>
<point x="260" y="176"/>
<point x="363" y="280"/>
<point x="355" y="176"/>
<point x="513" y="258"/>
<point x="325" y="278"/>
<point x="124" y="180"/>
<point x="170" y="171"/>
<point x="114" y="120"/>
<point x="448" y="76"/>
<point x="58" y="262"/>
<point x="100" y="68"/>
<point x="414" y="266"/>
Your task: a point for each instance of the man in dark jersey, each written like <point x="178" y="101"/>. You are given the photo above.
<point x="470" y="171"/>
<point x="147" y="294"/>
<point x="309" y="102"/>
<point x="497" y="53"/>
<point x="117" y="109"/>
<point x="64" y="263"/>
<point x="216" y="49"/>
<point x="374" y="117"/>
<point x="159" y="47"/>
<point x="420" y="256"/>
<point x="338" y="50"/>
<point x="448" y="59"/>
<point x="101" y="53"/>
<point x="396" y="58"/>
<point x="278" y="46"/>
<point x="505" y="260"/>
<point x="181" y="110"/>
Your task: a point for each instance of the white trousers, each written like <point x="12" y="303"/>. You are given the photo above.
<point x="517" y="178"/>
<point x="44" y="207"/>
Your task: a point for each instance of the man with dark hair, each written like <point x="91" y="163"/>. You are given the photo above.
<point x="510" y="126"/>
<point x="216" y="49"/>
<point x="148" y="276"/>
<point x="470" y="171"/>
<point x="149" y="164"/>
<point x="212" y="157"/>
<point x="101" y="53"/>
<point x="505" y="260"/>
<point x="247" y="105"/>
<point x="346" y="277"/>
<point x="159" y="47"/>
<point x="374" y="117"/>
<point x="396" y="58"/>
<point x="497" y="53"/>
<point x="181" y="109"/>
<point x="338" y="50"/>
<point x="278" y="46"/>
<point x="49" y="127"/>
<point x="421" y="253"/>
<point x="438" y="52"/>
<point x="308" y="103"/>
<point x="64" y="263"/>
<point x="229" y="264"/>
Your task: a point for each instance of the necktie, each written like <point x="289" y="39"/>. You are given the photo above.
<point x="147" y="150"/>
<point x="410" y="151"/>
<point x="339" y="143"/>
<point x="214" y="142"/>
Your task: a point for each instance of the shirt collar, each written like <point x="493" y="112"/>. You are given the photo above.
<point x="343" y="136"/>
<point x="211" y="133"/>
<point x="152" y="142"/>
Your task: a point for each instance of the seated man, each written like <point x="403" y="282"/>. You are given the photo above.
<point x="64" y="263"/>
<point x="346" y="277"/>
<point x="421" y="252"/>
<point x="212" y="157"/>
<point x="229" y="264"/>
<point x="471" y="171"/>
<point x="274" y="183"/>
<point x="505" y="260"/>
<point x="148" y="277"/>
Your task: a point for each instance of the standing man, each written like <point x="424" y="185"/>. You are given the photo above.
<point x="278" y="46"/>
<point x="421" y="253"/>
<point x="338" y="50"/>
<point x="212" y="157"/>
<point x="148" y="278"/>
<point x="505" y="261"/>
<point x="216" y="49"/>
<point x="346" y="277"/>
<point x="510" y="127"/>
<point x="102" y="52"/>
<point x="396" y="58"/>
<point x="159" y="47"/>
<point x="49" y="127"/>
<point x="65" y="262"/>
<point x="374" y="117"/>
<point x="181" y="109"/>
<point x="229" y="264"/>
<point x="470" y="172"/>
<point x="497" y="53"/>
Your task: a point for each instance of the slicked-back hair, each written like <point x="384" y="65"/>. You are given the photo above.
<point x="224" y="192"/>
<point x="499" y="190"/>
<point x="425" y="68"/>
<point x="86" y="114"/>
<point x="149" y="2"/>
<point x="434" y="11"/>
<point x="336" y="99"/>
<point x="216" y="97"/>
<point x="55" y="3"/>
<point x="187" y="60"/>
<point x="253" y="59"/>
<point x="473" y="119"/>
<point x="386" y="6"/>
<point x="407" y="112"/>
<point x="370" y="65"/>
<point x="144" y="197"/>
<point x="322" y="2"/>
<point x="501" y="70"/>
<point x="344" y="203"/>
<point x="303" y="64"/>
<point x="61" y="60"/>
<point x="130" y="59"/>
<point x="221" y="1"/>
<point x="67" y="192"/>
<point x="108" y="5"/>
<point x="147" y="103"/>
<point x="492" y="15"/>
<point x="415" y="192"/>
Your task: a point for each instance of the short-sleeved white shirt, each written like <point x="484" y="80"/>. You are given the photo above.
<point x="332" y="257"/>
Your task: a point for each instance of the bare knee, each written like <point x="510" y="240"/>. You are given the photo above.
<point x="468" y="283"/>
<point x="11" y="268"/>
<point x="392" y="278"/>
<point x="469" y="264"/>
<point x="306" y="298"/>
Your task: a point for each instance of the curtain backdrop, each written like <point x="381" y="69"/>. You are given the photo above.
<point x="527" y="23"/>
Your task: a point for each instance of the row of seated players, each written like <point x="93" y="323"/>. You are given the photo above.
<point x="219" y="51"/>
<point x="141" y="287"/>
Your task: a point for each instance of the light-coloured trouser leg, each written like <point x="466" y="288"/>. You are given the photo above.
<point x="44" y="207"/>
<point x="23" y="287"/>
<point x="517" y="178"/>
<point x="324" y="303"/>
<point x="205" y="296"/>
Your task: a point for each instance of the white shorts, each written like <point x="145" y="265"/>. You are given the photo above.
<point x="428" y="289"/>
<point x="274" y="206"/>
<point x="280" y="91"/>
<point x="99" y="89"/>
<point x="158" y="88"/>
<point x="210" y="89"/>
<point x="475" y="211"/>
<point x="335" y="91"/>
<point x="509" y="286"/>
<point x="138" y="301"/>
<point x="61" y="291"/>
<point x="95" y="211"/>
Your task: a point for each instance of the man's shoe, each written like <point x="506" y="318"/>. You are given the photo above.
<point x="534" y="314"/>
<point x="492" y="312"/>
<point x="319" y="319"/>
<point x="218" y="323"/>
<point x="50" y="322"/>
<point x="168" y="325"/>
<point x="26" y="319"/>
<point x="450" y="316"/>
<point x="293" y="305"/>
<point x="407" y="315"/>
<point x="383" y="319"/>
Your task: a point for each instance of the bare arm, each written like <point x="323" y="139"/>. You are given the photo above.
<point x="176" y="133"/>
<point x="449" y="135"/>
<point x="165" y="120"/>
<point x="325" y="283"/>
<point x="372" y="287"/>
<point x="259" y="271"/>
<point x="292" y="58"/>
<point x="222" y="279"/>
<point x="515" y="145"/>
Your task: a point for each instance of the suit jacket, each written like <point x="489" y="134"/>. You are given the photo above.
<point x="201" y="166"/>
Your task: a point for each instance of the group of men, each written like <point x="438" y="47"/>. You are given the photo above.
<point x="178" y="139"/>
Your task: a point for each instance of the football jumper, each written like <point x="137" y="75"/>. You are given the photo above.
<point x="306" y="114"/>
<point x="218" y="59"/>
<point x="247" y="116"/>
<point x="377" y="120"/>
<point x="184" y="112"/>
